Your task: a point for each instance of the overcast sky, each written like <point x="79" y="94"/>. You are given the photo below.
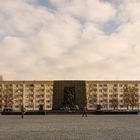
<point x="70" y="39"/>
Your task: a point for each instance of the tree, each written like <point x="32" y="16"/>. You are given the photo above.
<point x="133" y="97"/>
<point x="126" y="97"/>
<point x="114" y="103"/>
<point x="130" y="97"/>
<point x="114" y="100"/>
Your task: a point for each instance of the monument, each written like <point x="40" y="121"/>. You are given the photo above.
<point x="69" y="94"/>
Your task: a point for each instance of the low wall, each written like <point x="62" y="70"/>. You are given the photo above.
<point x="61" y="112"/>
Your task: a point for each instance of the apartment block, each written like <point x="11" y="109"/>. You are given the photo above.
<point x="111" y="94"/>
<point x="31" y="94"/>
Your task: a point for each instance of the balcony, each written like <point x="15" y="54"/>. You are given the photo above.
<point x="48" y="101"/>
<point x="31" y="96"/>
<point x="16" y="106"/>
<point x="105" y="100"/>
<point x="37" y="96"/>
<point x="30" y="100"/>
<point x="48" y="96"/>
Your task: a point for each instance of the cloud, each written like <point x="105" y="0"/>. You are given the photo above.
<point x="66" y="39"/>
<point x="91" y="10"/>
<point x="129" y="11"/>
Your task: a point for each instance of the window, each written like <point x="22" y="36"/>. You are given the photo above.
<point x="111" y="106"/>
<point x="121" y="106"/>
<point x="136" y="85"/>
<point x="121" y="95"/>
<point x="121" y="90"/>
<point x="42" y="85"/>
<point x="94" y="100"/>
<point x="90" y="101"/>
<point x="136" y="89"/>
<point x="136" y="95"/>
<point x="120" y="85"/>
<point x="115" y="89"/>
<point x="47" y="90"/>
<point x="110" y="90"/>
<point x="105" y="100"/>
<point x="48" y="106"/>
<point x="105" y="89"/>
<point x="125" y="85"/>
<point x="115" y="95"/>
<point x="42" y="100"/>
<point x="115" y="85"/>
<point x="48" y="96"/>
<point x="100" y="96"/>
<point x="37" y="96"/>
<point x="95" y="95"/>
<point x="90" y="106"/>
<point x="95" y="89"/>
<point x="31" y="85"/>
<point x="110" y="100"/>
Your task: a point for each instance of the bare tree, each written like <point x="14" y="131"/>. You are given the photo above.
<point x="114" y="103"/>
<point x="114" y="100"/>
<point x="7" y="98"/>
<point x="133" y="100"/>
<point x="130" y="97"/>
<point x="126" y="96"/>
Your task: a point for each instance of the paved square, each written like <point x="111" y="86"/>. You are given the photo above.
<point x="70" y="127"/>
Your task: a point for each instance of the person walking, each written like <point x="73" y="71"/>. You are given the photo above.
<point x="22" y="111"/>
<point x="84" y="111"/>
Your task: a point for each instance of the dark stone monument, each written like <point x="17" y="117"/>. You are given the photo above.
<point x="69" y="93"/>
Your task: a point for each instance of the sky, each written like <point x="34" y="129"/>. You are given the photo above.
<point x="70" y="39"/>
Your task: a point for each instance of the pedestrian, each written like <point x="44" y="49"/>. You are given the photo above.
<point x="22" y="111"/>
<point x="84" y="111"/>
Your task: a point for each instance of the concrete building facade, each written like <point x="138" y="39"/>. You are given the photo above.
<point x="33" y="94"/>
<point x="113" y="94"/>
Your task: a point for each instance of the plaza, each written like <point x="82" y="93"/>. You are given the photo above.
<point x="70" y="127"/>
